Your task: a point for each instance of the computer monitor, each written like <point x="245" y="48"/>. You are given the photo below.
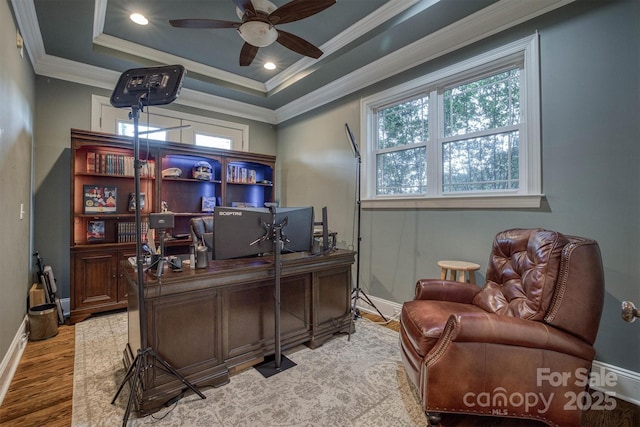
<point x="239" y="232"/>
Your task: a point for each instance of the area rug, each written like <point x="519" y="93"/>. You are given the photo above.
<point x="356" y="382"/>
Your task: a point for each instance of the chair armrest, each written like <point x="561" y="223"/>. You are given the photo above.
<point x="506" y="330"/>
<point x="446" y="290"/>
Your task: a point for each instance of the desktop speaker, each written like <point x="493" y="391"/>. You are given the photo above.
<point x="161" y="220"/>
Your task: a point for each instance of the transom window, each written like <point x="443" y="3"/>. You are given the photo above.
<point x="127" y="129"/>
<point x="213" y="141"/>
<point x="458" y="136"/>
<point x="173" y="126"/>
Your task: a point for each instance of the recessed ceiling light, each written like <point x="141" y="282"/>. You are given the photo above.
<point x="270" y="66"/>
<point x="139" y="19"/>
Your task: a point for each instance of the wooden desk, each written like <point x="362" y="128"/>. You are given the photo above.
<point x="212" y="322"/>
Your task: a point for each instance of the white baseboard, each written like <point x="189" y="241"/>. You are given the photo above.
<point x="390" y="310"/>
<point x="618" y="382"/>
<point x="12" y="358"/>
<point x="621" y="383"/>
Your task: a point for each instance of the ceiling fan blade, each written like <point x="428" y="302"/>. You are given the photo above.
<point x="298" y="9"/>
<point x="245" y="6"/>
<point x="203" y="23"/>
<point x="297" y="44"/>
<point x="247" y="54"/>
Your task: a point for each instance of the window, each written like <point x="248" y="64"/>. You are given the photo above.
<point x="466" y="136"/>
<point x="481" y="133"/>
<point x="175" y="126"/>
<point x="213" y="141"/>
<point x="401" y="152"/>
<point x="127" y="129"/>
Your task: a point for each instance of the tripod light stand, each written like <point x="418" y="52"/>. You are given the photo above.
<point x="137" y="88"/>
<point x="357" y="293"/>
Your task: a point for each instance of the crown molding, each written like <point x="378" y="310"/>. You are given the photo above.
<point x="25" y="13"/>
<point x="484" y="23"/>
<point x="160" y="57"/>
<point x="204" y="101"/>
<point x="499" y="16"/>
<point x="64" y="69"/>
<point x="381" y="15"/>
<point x="130" y="48"/>
<point x="76" y="72"/>
<point x="99" y="16"/>
<point x="293" y="73"/>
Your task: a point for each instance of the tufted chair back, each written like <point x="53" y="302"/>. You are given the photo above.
<point x="522" y="273"/>
<point x="529" y="274"/>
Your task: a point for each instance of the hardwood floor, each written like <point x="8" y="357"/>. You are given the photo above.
<point x="41" y="392"/>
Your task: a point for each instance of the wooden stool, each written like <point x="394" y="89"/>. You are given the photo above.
<point x="453" y="267"/>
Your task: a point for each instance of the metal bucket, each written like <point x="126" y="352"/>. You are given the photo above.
<point x="43" y="322"/>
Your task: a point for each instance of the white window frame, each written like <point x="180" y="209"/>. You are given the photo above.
<point x="528" y="195"/>
<point x="104" y="117"/>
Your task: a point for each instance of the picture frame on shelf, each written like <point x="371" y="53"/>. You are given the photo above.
<point x="98" y="199"/>
<point x="208" y="204"/>
<point x="95" y="231"/>
<point x="132" y="201"/>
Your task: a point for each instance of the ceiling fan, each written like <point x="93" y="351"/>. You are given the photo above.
<point x="257" y="29"/>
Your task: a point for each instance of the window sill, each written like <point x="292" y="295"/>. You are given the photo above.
<point x="517" y="201"/>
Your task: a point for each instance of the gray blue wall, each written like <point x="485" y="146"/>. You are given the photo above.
<point x="17" y="107"/>
<point x="590" y="74"/>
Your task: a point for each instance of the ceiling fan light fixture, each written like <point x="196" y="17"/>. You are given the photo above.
<point x="258" y="33"/>
<point x="139" y="19"/>
<point x="264" y="6"/>
<point x="257" y="29"/>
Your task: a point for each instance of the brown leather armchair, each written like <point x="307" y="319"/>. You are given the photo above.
<point x="522" y="345"/>
<point x="202" y="231"/>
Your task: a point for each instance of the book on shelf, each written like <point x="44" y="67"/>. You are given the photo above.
<point x="99" y="199"/>
<point x="241" y="175"/>
<point x="91" y="162"/>
<point x="95" y="231"/>
<point x="117" y="164"/>
<point x="147" y="169"/>
<point x="126" y="232"/>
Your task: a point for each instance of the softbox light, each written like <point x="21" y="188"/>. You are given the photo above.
<point x="148" y="86"/>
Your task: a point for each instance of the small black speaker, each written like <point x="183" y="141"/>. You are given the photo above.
<point x="161" y="220"/>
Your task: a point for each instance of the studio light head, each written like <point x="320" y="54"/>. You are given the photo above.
<point x="352" y="140"/>
<point x="148" y="86"/>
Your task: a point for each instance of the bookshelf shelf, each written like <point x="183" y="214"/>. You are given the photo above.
<point x="216" y="181"/>
<point x="250" y="183"/>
